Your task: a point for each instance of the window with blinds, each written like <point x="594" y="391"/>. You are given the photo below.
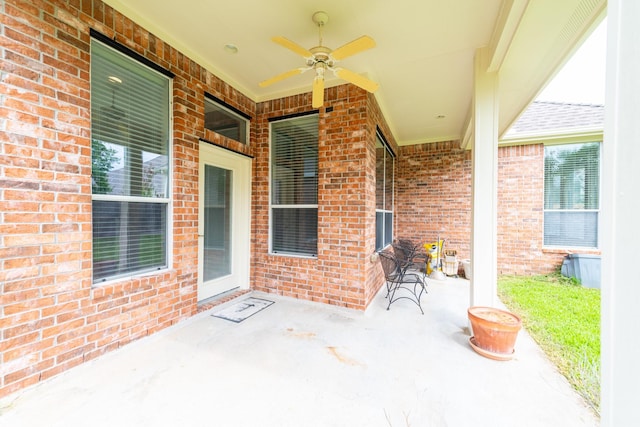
<point x="571" y="195"/>
<point x="130" y="164"/>
<point x="294" y="186"/>
<point x="384" y="194"/>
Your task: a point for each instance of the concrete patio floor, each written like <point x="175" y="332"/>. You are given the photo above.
<point x="303" y="364"/>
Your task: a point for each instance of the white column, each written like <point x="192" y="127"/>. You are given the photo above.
<point x="620" y="224"/>
<point x="484" y="183"/>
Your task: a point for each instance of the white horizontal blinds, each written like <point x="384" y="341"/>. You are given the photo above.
<point x="388" y="197"/>
<point x="130" y="164"/>
<point x="294" y="185"/>
<point x="388" y="181"/>
<point x="384" y="194"/>
<point x="572" y="195"/>
<point x="128" y="237"/>
<point x="380" y="174"/>
<point x="130" y="120"/>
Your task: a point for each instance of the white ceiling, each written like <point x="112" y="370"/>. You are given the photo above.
<point x="423" y="59"/>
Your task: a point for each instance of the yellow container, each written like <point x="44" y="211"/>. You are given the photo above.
<point x="434" y="250"/>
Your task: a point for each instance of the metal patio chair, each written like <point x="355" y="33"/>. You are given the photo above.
<point x="401" y="283"/>
<point x="414" y="255"/>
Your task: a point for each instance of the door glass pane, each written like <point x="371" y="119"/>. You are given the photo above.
<point x="217" y="222"/>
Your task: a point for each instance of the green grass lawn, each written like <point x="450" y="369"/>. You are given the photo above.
<point x="564" y="318"/>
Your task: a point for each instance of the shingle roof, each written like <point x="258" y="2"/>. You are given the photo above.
<point x="544" y="117"/>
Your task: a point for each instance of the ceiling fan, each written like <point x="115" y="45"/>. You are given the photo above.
<point x="321" y="58"/>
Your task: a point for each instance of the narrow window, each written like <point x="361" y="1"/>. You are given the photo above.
<point x="130" y="164"/>
<point x="294" y="186"/>
<point x="384" y="193"/>
<point x="571" y="195"/>
<point x="225" y="120"/>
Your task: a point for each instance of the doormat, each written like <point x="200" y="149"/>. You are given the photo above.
<point x="243" y="309"/>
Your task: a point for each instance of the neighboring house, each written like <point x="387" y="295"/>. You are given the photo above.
<point x="540" y="217"/>
<point x="302" y="197"/>
<point x="549" y="186"/>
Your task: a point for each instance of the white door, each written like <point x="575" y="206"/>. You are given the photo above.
<point x="223" y="221"/>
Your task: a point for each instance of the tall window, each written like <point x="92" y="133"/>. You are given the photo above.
<point x="571" y="195"/>
<point x="294" y="186"/>
<point x="130" y="164"/>
<point x="225" y="120"/>
<point x="384" y="194"/>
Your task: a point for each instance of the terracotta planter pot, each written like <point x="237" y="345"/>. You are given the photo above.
<point x="494" y="331"/>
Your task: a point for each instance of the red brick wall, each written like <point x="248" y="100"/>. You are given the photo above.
<point x="346" y="195"/>
<point x="520" y="210"/>
<point x="434" y="195"/>
<point x="51" y="317"/>
<point x="521" y="214"/>
<point x="374" y="274"/>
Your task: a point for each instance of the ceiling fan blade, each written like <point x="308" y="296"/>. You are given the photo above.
<point x="282" y="76"/>
<point x="356" y="79"/>
<point x="318" y="92"/>
<point x="353" y="47"/>
<point x="293" y="46"/>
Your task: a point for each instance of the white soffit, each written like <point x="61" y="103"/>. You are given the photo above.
<point x="550" y="31"/>
<point x="423" y="59"/>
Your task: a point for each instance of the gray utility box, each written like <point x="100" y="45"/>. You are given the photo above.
<point x="584" y="267"/>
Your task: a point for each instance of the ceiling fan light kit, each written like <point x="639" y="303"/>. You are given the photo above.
<point x="321" y="58"/>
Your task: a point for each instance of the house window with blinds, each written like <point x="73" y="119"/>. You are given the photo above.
<point x="571" y="195"/>
<point x="294" y="186"/>
<point x="130" y="164"/>
<point x="384" y="194"/>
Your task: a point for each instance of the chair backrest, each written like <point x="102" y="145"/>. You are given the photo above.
<point x="402" y="253"/>
<point x="406" y="244"/>
<point x="389" y="264"/>
<point x="410" y="249"/>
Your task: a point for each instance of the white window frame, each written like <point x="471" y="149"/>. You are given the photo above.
<point x="596" y="211"/>
<point x="384" y="212"/>
<point x="166" y="201"/>
<point x="287" y="206"/>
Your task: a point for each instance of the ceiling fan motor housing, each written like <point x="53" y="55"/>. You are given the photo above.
<point x="320" y="54"/>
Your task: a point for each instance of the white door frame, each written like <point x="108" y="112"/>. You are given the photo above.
<point x="240" y="222"/>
